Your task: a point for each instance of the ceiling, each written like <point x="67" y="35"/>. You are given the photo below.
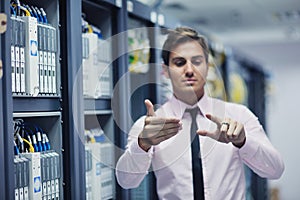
<point x="267" y="31"/>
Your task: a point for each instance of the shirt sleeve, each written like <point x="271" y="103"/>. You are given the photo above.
<point x="258" y="152"/>
<point x="133" y="165"/>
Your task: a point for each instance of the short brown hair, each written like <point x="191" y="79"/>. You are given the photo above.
<point x="182" y="35"/>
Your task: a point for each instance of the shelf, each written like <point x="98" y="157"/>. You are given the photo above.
<point x="102" y="4"/>
<point x="97" y="104"/>
<point x="36" y="104"/>
<point x="98" y="112"/>
<point x="37" y="114"/>
<point x="143" y="12"/>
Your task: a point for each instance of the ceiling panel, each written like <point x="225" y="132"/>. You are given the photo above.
<point x="260" y="24"/>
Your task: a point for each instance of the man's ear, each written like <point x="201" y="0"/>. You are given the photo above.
<point x="165" y="71"/>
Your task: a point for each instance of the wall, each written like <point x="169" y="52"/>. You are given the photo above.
<point x="283" y="108"/>
<point x="282" y="62"/>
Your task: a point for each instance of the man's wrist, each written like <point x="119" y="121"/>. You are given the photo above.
<point x="239" y="144"/>
<point x="143" y="144"/>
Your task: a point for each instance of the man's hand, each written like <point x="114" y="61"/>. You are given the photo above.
<point x="157" y="129"/>
<point x="227" y="131"/>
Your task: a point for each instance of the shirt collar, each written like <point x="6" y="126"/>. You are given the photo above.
<point x="204" y="104"/>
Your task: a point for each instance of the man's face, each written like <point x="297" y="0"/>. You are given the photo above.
<point x="187" y="70"/>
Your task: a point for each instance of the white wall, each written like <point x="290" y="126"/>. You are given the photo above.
<point x="283" y="126"/>
<point x="282" y="61"/>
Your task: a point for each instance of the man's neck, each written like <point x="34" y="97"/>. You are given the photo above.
<point x="190" y="101"/>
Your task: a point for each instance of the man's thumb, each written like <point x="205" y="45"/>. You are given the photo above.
<point x="150" y="109"/>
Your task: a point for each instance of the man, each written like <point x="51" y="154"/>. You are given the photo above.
<point x="229" y="134"/>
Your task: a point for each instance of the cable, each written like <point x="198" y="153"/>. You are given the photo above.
<point x="25" y="130"/>
<point x="47" y="143"/>
<point x="44" y="15"/>
<point x="29" y="9"/>
<point x="31" y="148"/>
<point x="16" y="149"/>
<point x="27" y="13"/>
<point x="40" y="17"/>
<point x="21" y="143"/>
<point x="34" y="12"/>
<point x="13" y="12"/>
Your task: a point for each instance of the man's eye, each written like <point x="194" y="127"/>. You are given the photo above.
<point x="196" y="62"/>
<point x="180" y="63"/>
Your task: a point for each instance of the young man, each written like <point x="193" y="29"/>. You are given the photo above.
<point x="229" y="134"/>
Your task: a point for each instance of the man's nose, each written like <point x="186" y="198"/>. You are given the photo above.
<point x="189" y="66"/>
<point x="189" y="69"/>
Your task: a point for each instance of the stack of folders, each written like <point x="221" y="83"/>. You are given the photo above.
<point x="85" y="71"/>
<point x="21" y="176"/>
<point x="37" y="176"/>
<point x="88" y="173"/>
<point x="28" y="176"/>
<point x="47" y="58"/>
<point x="97" y="67"/>
<point x="33" y="56"/>
<point x="18" y="61"/>
<point x="107" y="171"/>
<point x="105" y="60"/>
<point x="99" y="170"/>
<point x="50" y="173"/>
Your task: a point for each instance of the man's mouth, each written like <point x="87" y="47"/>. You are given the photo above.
<point x="190" y="81"/>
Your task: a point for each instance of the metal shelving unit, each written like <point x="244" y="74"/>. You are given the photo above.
<point x="6" y="110"/>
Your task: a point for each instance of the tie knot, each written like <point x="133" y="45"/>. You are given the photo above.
<point x="193" y="112"/>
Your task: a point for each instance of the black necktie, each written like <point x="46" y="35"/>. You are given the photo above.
<point x="196" y="159"/>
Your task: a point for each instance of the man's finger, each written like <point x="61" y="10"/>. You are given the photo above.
<point x="159" y="127"/>
<point x="237" y="131"/>
<point x="202" y="132"/>
<point x="162" y="121"/>
<point x="215" y="119"/>
<point x="150" y="109"/>
<point x="207" y="133"/>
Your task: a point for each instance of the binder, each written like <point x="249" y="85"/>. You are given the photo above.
<point x="16" y="168"/>
<point x="53" y="51"/>
<point x="48" y="171"/>
<point x="31" y="56"/>
<point x="52" y="174"/>
<point x="35" y="184"/>
<point x="49" y="59"/>
<point x="101" y="171"/>
<point x="85" y="54"/>
<point x="94" y="165"/>
<point x="12" y="53"/>
<point x="88" y="173"/>
<point x="56" y="175"/>
<point x="104" y="57"/>
<point x="106" y="171"/>
<point x="22" y="57"/>
<point x="90" y="67"/>
<point x="45" y="55"/>
<point x="24" y="179"/>
<point x="43" y="176"/>
<point x="21" y="180"/>
<point x="41" y="57"/>
<point x="17" y="55"/>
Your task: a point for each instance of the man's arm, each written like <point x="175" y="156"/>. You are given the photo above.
<point x="133" y="165"/>
<point x="148" y="131"/>
<point x="255" y="149"/>
<point x="258" y="152"/>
